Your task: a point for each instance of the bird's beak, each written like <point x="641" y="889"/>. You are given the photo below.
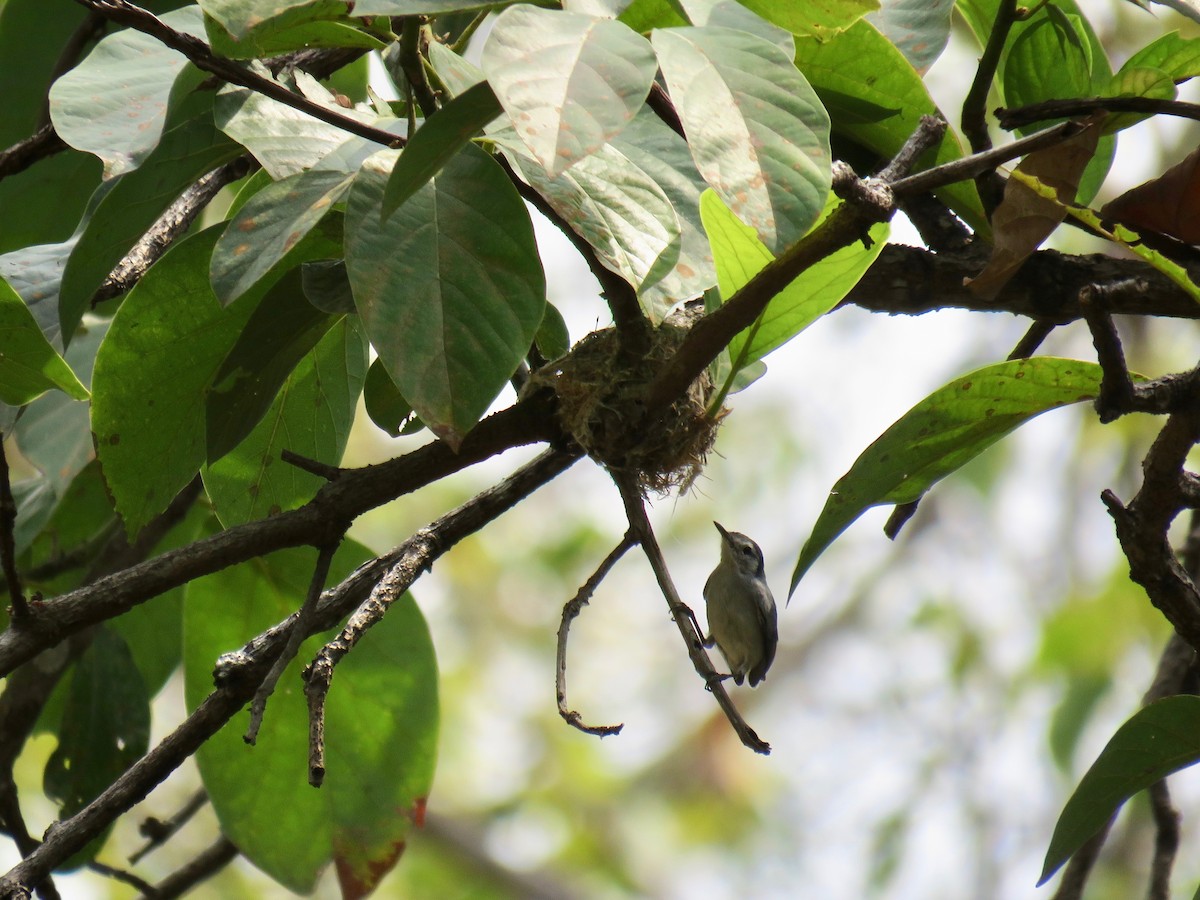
<point x="721" y="528"/>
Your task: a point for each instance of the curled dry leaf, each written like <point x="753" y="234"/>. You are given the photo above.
<point x="1023" y="219"/>
<point x="1167" y="204"/>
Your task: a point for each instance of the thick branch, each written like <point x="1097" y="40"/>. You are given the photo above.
<point x="529" y="421"/>
<point x="238" y="676"/>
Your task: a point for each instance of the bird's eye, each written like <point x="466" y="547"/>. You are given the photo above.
<point x="748" y="552"/>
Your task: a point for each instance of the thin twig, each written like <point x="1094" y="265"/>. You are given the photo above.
<point x="303" y="623"/>
<point x="204" y="866"/>
<point x="412" y="37"/>
<point x="312" y="466"/>
<point x="43" y="143"/>
<point x="970" y="166"/>
<point x="685" y="619"/>
<point x="530" y="420"/>
<point x="408" y="561"/>
<point x="1166" y="841"/>
<point x="571" y="610"/>
<point x="237" y="678"/>
<point x="1116" y="386"/>
<point x="158" y="831"/>
<point x="8" y="551"/>
<point x="1032" y="339"/>
<point x="14" y="826"/>
<point x="974" y="110"/>
<point x="201" y="55"/>
<point x="1057" y="109"/>
<point x="121" y="875"/>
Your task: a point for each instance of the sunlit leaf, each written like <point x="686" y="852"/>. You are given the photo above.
<point x="568" y="82"/>
<point x="877" y="100"/>
<point x="740" y="255"/>
<point x="819" y="19"/>
<point x="944" y="431"/>
<point x="114" y="103"/>
<point x="758" y="133"/>
<point x="450" y="287"/>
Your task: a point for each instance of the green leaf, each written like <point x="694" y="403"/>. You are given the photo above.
<point x="270" y="225"/>
<point x="552" y="338"/>
<point x="283" y="328"/>
<point x="1054" y="54"/>
<point x="1178" y="56"/>
<point x="105" y="724"/>
<point x="1162" y="738"/>
<point x="1137" y="82"/>
<point x="822" y="20"/>
<point x="435" y="142"/>
<point x="386" y="405"/>
<point x="311" y="416"/>
<point x="287" y="141"/>
<point x="54" y="436"/>
<point x="114" y="103"/>
<point x="740" y="255"/>
<point x="758" y="133"/>
<point x="877" y="99"/>
<point x="189" y="148"/>
<point x="327" y="286"/>
<point x="242" y="18"/>
<point x="644" y="16"/>
<point x="943" y="432"/>
<point x="29" y="366"/>
<point x="380" y="731"/>
<point x="569" y="82"/>
<point x="450" y="287"/>
<point x="621" y="212"/>
<point x="920" y="29"/>
<point x="664" y="156"/>
<point x="420" y="7"/>
<point x="31" y="44"/>
<point x="161" y="351"/>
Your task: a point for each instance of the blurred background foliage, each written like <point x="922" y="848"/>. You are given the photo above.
<point x="934" y="700"/>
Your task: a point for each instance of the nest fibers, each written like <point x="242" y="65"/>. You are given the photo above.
<point x="601" y="403"/>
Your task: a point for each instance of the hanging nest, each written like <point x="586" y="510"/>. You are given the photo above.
<point x="601" y="401"/>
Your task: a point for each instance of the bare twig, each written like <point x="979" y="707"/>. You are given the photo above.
<point x="303" y="623"/>
<point x="571" y="610"/>
<point x="175" y="220"/>
<point x="414" y="41"/>
<point x="531" y="420"/>
<point x="158" y="831"/>
<point x="8" y="552"/>
<point x="414" y="556"/>
<point x="238" y="676"/>
<point x="1166" y="841"/>
<point x="974" y="110"/>
<point x="204" y="866"/>
<point x="201" y="55"/>
<point x="41" y="144"/>
<point x="312" y="466"/>
<point x="1116" y="387"/>
<point x="685" y="619"/>
<point x="1057" y="109"/>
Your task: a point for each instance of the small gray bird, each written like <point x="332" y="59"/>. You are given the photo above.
<point x="742" y="621"/>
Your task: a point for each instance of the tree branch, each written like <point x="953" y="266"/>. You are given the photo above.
<point x="685" y="619"/>
<point x="415" y="556"/>
<point x="1015" y="117"/>
<point x="531" y="420"/>
<point x="571" y="610"/>
<point x="201" y="56"/>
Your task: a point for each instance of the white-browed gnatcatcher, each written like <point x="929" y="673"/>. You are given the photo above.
<point x="741" y="611"/>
